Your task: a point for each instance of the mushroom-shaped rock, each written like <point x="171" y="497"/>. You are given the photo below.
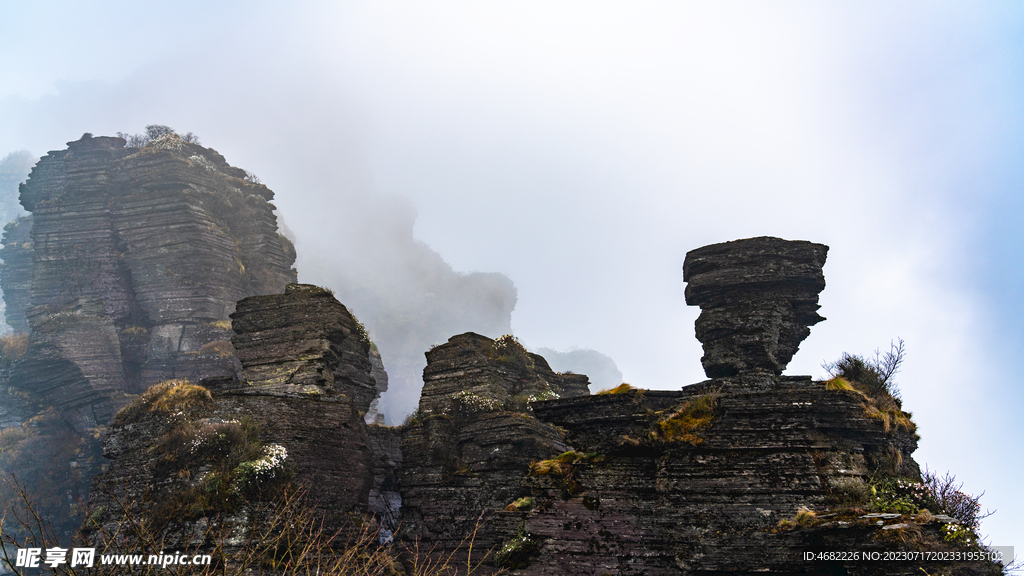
<point x="758" y="297"/>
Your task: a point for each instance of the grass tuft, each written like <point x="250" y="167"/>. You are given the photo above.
<point x="695" y="414"/>
<point x="167" y="397"/>
<point x="839" y="383"/>
<point x="620" y="389"/>
<point x="12" y="347"/>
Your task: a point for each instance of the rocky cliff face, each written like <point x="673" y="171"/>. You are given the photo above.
<point x="160" y="241"/>
<point x="16" y="272"/>
<point x="464" y="454"/>
<point x="493" y="371"/>
<point x="305" y="373"/>
<point x="739" y="474"/>
<point x="123" y="275"/>
<point x="655" y="502"/>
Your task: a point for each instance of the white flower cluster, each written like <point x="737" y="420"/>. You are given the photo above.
<point x="271" y="462"/>
<point x="203" y="162"/>
<point x="171" y="142"/>
<point x="545" y="395"/>
<point x="472" y="403"/>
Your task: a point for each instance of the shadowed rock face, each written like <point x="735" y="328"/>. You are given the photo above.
<point x="469" y="363"/>
<point x="464" y="456"/>
<point x="138" y="255"/>
<point x="306" y="384"/>
<point x="16" y="271"/>
<point x="303" y="341"/>
<point x="757" y="297"/>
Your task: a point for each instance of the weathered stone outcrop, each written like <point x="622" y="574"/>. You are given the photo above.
<point x="723" y="477"/>
<point x="303" y="341"/>
<point x="385" y="500"/>
<point x="656" y="504"/>
<point x="16" y="272"/>
<point x="164" y="239"/>
<point x="464" y="456"/>
<point x="757" y="297"/>
<point x="472" y="364"/>
<point x="305" y="366"/>
<point x="74" y="363"/>
<point x="380" y="377"/>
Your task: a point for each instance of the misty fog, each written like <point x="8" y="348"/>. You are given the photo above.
<point x="543" y="170"/>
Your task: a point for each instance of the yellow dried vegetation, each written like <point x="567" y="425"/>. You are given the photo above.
<point x="221" y="324"/>
<point x="167" y="397"/>
<point x="12" y="347"/>
<point x="563" y="468"/>
<point x="620" y="389"/>
<point x="804" y="517"/>
<point x="682" y="423"/>
<point x="562" y="464"/>
<point x="881" y="407"/>
<point x="520" y="505"/>
<point x="839" y="383"/>
<point x="219" y="348"/>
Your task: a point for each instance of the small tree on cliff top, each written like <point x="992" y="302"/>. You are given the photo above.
<point x="154" y="131"/>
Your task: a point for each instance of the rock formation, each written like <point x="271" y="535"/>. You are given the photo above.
<point x="757" y="298"/>
<point x="303" y="341"/>
<point x="306" y="374"/>
<point x="124" y="275"/>
<point x="492" y="370"/>
<point x="723" y="477"/>
<point x="16" y="272"/>
<point x="464" y="455"/>
<point x="160" y="241"/>
<point x="137" y="254"/>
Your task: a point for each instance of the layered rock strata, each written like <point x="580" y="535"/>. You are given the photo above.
<point x="723" y="477"/>
<point x="464" y="455"/>
<point x="757" y="297"/>
<point x="305" y="372"/>
<point x="710" y="504"/>
<point x="472" y="364"/>
<point x="16" y="272"/>
<point x="164" y="239"/>
<point x="304" y="341"/>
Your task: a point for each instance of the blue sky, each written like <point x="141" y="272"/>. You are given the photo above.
<point x="583" y="148"/>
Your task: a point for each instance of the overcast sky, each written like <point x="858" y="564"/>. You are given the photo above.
<point x="583" y="148"/>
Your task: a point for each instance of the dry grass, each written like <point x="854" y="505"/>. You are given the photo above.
<point x="695" y="414"/>
<point x="891" y="417"/>
<point x="620" y="389"/>
<point x="804" y="517"/>
<point x="221" y="324"/>
<point x="563" y="468"/>
<point x="839" y="383"/>
<point x="882" y="406"/>
<point x="11" y="437"/>
<point x="522" y="504"/>
<point x="12" y="347"/>
<point x="218" y="348"/>
<point x="284" y="537"/>
<point x="170" y="396"/>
